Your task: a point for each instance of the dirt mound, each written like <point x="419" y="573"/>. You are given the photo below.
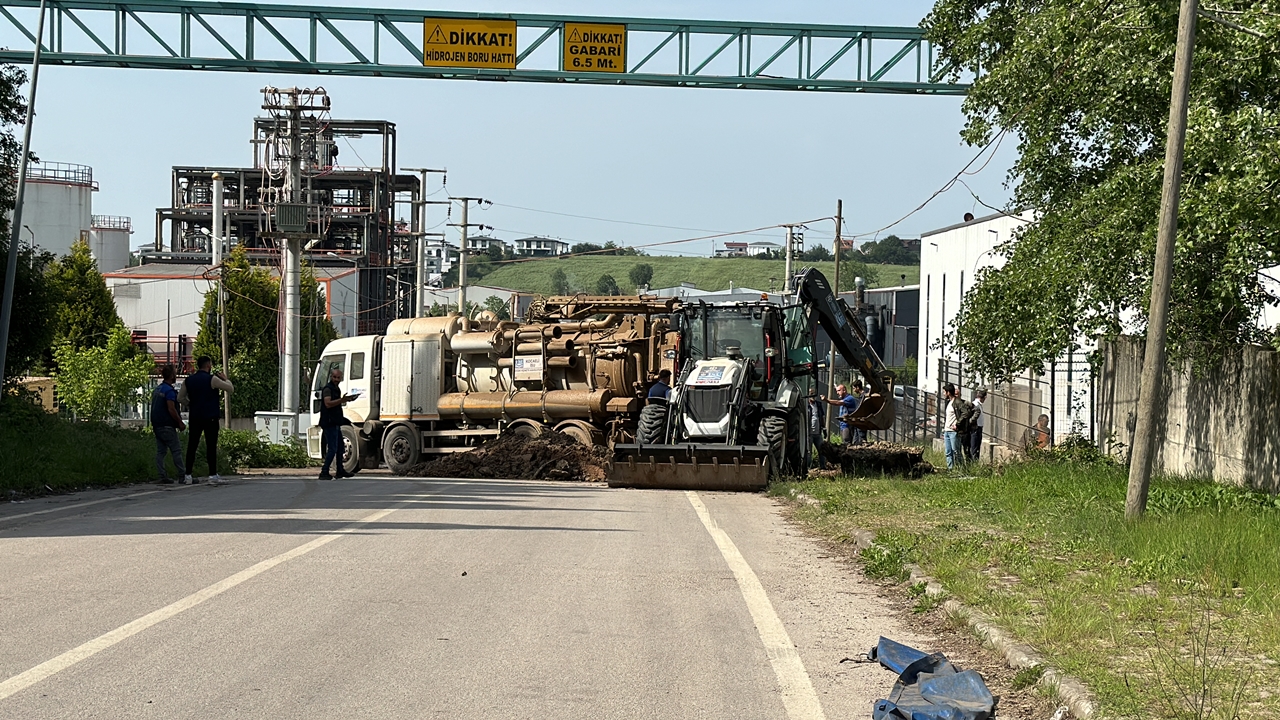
<point x="552" y="456"/>
<point x="877" y="458"/>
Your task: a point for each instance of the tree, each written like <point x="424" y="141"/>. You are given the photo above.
<point x="640" y="275"/>
<point x="30" y="326"/>
<point x="95" y="381"/>
<point x="85" y="313"/>
<point x="560" y="281"/>
<point x="31" y="329"/>
<point x="498" y="306"/>
<point x="817" y="253"/>
<point x="606" y="285"/>
<point x="889" y="251"/>
<point x="579" y="248"/>
<point x="252" y="298"/>
<point x="1085" y="87"/>
<point x="851" y="270"/>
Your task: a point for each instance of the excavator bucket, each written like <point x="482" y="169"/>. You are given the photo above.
<point x="690" y="467"/>
<point x="874" y="413"/>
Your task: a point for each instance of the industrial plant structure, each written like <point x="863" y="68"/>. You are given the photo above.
<point x="351" y="218"/>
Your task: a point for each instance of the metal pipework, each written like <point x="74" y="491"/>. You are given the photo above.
<point x="536" y="332"/>
<point x="555" y="361"/>
<point x="608" y="321"/>
<point x="478" y="343"/>
<point x="555" y="347"/>
<point x="533" y="404"/>
<point x="449" y="325"/>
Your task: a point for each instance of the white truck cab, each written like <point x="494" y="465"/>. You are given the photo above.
<point x="358" y="358"/>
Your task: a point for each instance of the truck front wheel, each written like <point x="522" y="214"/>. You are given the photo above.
<point x="350" y="449"/>
<point x="401" y="449"/>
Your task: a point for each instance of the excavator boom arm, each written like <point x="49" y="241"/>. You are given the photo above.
<point x="876" y="411"/>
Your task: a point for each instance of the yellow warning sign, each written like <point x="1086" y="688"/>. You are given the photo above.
<point x="457" y="42"/>
<point x="595" y="48"/>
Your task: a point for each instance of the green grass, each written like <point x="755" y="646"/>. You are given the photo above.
<point x="1043" y="548"/>
<point x="41" y="453"/>
<point x="705" y="273"/>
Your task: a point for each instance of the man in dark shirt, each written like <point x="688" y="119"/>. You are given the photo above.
<point x="200" y="391"/>
<point x="331" y="422"/>
<point x="166" y="423"/>
<point x="662" y="387"/>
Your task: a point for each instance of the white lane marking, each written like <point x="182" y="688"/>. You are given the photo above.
<point x="79" y="505"/>
<point x="798" y="695"/>
<point x="18" y="683"/>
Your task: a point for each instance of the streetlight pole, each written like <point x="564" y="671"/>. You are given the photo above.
<point x="1153" y="365"/>
<point x="420" y="236"/>
<point x="11" y="267"/>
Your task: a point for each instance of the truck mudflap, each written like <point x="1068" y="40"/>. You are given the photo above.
<point x="690" y="466"/>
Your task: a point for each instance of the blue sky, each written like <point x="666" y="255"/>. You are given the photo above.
<point x="709" y="159"/>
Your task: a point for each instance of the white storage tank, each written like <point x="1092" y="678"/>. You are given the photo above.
<point x="58" y="207"/>
<point x="109" y="241"/>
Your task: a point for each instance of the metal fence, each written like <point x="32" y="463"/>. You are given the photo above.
<point x="1064" y="395"/>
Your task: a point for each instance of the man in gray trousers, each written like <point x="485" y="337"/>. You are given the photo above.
<point x="166" y="423"/>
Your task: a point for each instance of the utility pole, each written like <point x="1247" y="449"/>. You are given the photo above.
<point x="11" y="266"/>
<point x="837" y="246"/>
<point x="787" y="282"/>
<point x="462" y="249"/>
<point x="218" y="249"/>
<point x="1153" y="366"/>
<point x="420" y="241"/>
<point x="289" y="105"/>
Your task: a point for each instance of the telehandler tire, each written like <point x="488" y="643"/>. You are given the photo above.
<point x="653" y="425"/>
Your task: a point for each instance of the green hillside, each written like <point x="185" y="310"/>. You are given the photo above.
<point x="705" y="273"/>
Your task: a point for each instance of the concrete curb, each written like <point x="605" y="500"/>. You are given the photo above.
<point x="1068" y="690"/>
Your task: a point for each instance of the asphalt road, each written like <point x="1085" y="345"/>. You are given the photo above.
<point x="387" y="598"/>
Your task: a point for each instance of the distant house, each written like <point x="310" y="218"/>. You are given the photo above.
<point x="540" y="247"/>
<point x="732" y="249"/>
<point x="485" y="243"/>
<point x="762" y="247"/>
<point x="440" y="256"/>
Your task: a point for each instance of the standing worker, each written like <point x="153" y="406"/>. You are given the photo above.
<point x="955" y="425"/>
<point x="661" y="388"/>
<point x="817" y="429"/>
<point x="200" y="392"/>
<point x="166" y="423"/>
<point x="331" y="422"/>
<point x="847" y="404"/>
<point x="859" y="434"/>
<point x="974" y="449"/>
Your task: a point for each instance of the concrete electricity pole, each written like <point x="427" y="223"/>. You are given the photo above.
<point x="11" y="266"/>
<point x="420" y="239"/>
<point x="462" y="249"/>
<point x="218" y="241"/>
<point x="289" y="104"/>
<point x="836" y="248"/>
<point x="1153" y="365"/>
<point x="787" y="282"/>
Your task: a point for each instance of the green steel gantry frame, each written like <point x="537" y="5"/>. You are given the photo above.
<point x="264" y="37"/>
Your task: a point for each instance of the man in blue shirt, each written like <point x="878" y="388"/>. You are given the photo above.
<point x="200" y="393"/>
<point x="661" y="388"/>
<point x="166" y="423"/>
<point x="847" y="404"/>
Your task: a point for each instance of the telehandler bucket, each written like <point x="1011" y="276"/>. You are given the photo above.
<point x="874" y="413"/>
<point x="690" y="467"/>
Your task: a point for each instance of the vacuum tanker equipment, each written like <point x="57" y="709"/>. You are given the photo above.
<point x="578" y="366"/>
<point x="737" y="416"/>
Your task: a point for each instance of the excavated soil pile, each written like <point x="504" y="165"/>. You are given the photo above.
<point x="877" y="458"/>
<point x="552" y="456"/>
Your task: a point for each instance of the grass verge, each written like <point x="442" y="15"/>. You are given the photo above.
<point x="42" y="453"/>
<point x="1175" y="616"/>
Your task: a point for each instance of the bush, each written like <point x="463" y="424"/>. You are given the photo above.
<point x="42" y="453"/>
<point x="244" y="449"/>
